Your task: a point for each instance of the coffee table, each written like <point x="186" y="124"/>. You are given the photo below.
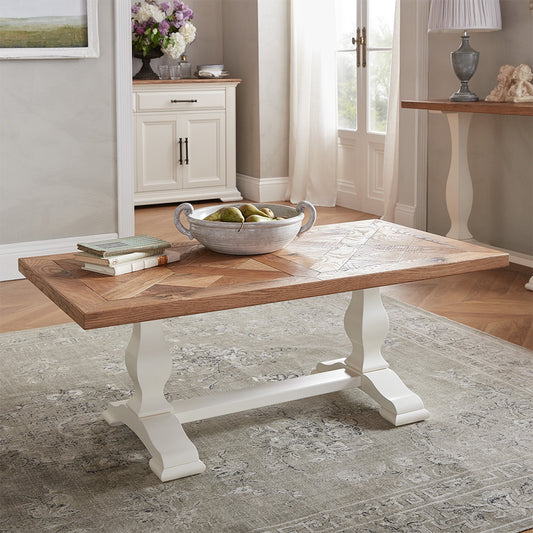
<point x="356" y="256"/>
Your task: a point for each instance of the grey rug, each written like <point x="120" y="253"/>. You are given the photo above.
<point x="326" y="464"/>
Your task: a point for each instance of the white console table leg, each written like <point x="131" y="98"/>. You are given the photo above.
<point x="367" y="325"/>
<point x="147" y="413"/>
<point x="459" y="192"/>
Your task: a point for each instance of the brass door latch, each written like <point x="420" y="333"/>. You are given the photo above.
<point x="360" y="42"/>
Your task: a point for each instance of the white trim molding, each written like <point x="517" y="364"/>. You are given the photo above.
<point x="263" y="189"/>
<point x="10" y="253"/>
<point x="124" y="116"/>
<point x="421" y="131"/>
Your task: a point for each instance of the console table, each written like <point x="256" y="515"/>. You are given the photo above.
<point x="459" y="192"/>
<point x="356" y="256"/>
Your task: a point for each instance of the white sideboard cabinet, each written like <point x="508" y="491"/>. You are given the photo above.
<point x="184" y="140"/>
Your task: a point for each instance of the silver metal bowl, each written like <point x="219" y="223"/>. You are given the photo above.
<point x="250" y="238"/>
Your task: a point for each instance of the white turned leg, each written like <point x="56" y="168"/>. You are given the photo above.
<point x="459" y="192"/>
<point x="529" y="284"/>
<point x="367" y="325"/>
<point x="147" y="413"/>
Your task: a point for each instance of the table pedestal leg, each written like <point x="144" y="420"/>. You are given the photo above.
<point x="367" y="324"/>
<point x="147" y="413"/>
<point x="459" y="192"/>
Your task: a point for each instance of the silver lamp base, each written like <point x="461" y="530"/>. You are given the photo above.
<point x="464" y="62"/>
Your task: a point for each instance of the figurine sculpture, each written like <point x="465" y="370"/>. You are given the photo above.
<point x="521" y="89"/>
<point x="505" y="78"/>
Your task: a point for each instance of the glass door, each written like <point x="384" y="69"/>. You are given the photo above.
<point x="364" y="50"/>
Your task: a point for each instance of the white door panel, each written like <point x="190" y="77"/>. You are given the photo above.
<point x="205" y="164"/>
<point x="156" y="153"/>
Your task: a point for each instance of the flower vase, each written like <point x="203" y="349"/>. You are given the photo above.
<point x="146" y="72"/>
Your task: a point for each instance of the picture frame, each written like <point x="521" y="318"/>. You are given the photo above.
<point x="67" y="24"/>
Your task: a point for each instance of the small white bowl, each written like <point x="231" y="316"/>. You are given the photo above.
<point x="250" y="238"/>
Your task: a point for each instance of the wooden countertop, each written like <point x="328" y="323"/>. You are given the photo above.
<point x="492" y="108"/>
<point x="325" y="260"/>
<point x="188" y="80"/>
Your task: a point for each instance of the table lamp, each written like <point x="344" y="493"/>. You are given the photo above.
<point x="464" y="15"/>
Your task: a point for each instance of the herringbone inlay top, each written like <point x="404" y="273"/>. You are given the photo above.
<point x="327" y="259"/>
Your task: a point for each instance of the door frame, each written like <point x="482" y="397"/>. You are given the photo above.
<point x="410" y="210"/>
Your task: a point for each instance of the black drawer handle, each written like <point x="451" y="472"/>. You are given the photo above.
<point x="191" y="101"/>
<point x="181" y="151"/>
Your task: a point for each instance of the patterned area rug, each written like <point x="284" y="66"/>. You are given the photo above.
<point x="326" y="464"/>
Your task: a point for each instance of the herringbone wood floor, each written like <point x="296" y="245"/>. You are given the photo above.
<point x="493" y="301"/>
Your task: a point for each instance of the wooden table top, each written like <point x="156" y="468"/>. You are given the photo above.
<point x="325" y="260"/>
<point x="490" y="108"/>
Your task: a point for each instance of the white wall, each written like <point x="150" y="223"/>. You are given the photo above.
<point x="240" y="35"/>
<point x="500" y="148"/>
<point x="57" y="144"/>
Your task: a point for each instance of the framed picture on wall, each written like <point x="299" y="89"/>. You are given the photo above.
<point x="48" y="29"/>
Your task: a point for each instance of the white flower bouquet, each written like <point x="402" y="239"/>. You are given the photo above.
<point x="164" y="26"/>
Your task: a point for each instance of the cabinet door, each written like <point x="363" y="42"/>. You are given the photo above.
<point x="156" y="165"/>
<point x="204" y="163"/>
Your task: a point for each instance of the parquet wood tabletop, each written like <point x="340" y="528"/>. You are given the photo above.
<point x="327" y="259"/>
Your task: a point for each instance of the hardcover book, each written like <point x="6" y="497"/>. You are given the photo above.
<point x="87" y="257"/>
<point x="134" y="266"/>
<point x="138" y="243"/>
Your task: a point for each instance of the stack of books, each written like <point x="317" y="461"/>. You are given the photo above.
<point x="121" y="256"/>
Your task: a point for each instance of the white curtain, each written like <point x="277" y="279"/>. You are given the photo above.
<point x="313" y="109"/>
<point x="391" y="151"/>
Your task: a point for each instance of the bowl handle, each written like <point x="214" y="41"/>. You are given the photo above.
<point x="189" y="209"/>
<point x="312" y="215"/>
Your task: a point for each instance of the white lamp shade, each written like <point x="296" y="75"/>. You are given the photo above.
<point x="460" y="15"/>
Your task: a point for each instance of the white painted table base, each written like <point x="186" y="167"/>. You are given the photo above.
<point x="158" y="423"/>
<point x="459" y="191"/>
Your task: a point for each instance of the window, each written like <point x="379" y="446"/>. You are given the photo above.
<point x="364" y="49"/>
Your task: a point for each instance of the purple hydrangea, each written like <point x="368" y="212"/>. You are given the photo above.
<point x="164" y="26"/>
<point x="140" y="28"/>
<point x="135" y="8"/>
<point x="165" y="6"/>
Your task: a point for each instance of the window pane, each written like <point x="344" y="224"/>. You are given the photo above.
<point x="346" y="91"/>
<point x="380" y="23"/>
<point x="378" y="90"/>
<point x="346" y="21"/>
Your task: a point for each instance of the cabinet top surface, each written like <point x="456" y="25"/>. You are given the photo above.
<point x="195" y="81"/>
<point x="492" y="108"/>
<point x="325" y="260"/>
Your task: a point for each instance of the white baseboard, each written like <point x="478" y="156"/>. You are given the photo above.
<point x="10" y="253"/>
<point x="518" y="258"/>
<point x="347" y="195"/>
<point x="405" y="215"/>
<point x="263" y="189"/>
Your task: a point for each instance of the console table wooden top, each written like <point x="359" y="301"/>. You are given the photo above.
<point x="325" y="260"/>
<point x="492" y="108"/>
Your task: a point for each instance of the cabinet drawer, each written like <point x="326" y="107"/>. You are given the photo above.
<point x="174" y="100"/>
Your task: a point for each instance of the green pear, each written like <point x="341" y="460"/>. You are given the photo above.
<point x="268" y="212"/>
<point x="249" y="210"/>
<point x="231" y="214"/>
<point x="257" y="218"/>
<point x="214" y="216"/>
